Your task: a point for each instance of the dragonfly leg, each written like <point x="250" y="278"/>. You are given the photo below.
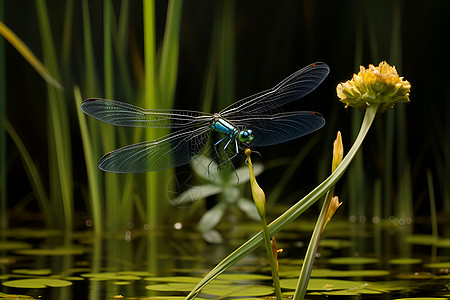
<point x="230" y="158"/>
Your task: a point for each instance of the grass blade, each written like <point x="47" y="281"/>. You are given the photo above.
<point x="59" y="133"/>
<point x="23" y="49"/>
<point x="33" y="175"/>
<point x="91" y="166"/>
<point x="3" y="181"/>
<point x="152" y="183"/>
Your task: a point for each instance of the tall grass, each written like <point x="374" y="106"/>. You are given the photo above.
<point x="153" y="198"/>
<point x="356" y="174"/>
<point x="60" y="149"/>
<point x="112" y="196"/>
<point x="160" y="84"/>
<point x="3" y="182"/>
<point x="112" y="183"/>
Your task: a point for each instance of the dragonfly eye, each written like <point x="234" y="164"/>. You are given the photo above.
<point x="246" y="136"/>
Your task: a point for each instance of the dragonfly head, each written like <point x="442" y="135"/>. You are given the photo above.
<point x="246" y="136"/>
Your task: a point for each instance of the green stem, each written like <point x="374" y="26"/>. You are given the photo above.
<point x="91" y="166"/>
<point x="295" y="211"/>
<point x="3" y="181"/>
<point x="270" y="255"/>
<point x="153" y="215"/>
<point x="308" y="262"/>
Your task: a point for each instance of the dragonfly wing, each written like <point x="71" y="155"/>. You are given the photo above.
<point x="282" y="127"/>
<point x="125" y="114"/>
<point x="173" y="150"/>
<point x="292" y="88"/>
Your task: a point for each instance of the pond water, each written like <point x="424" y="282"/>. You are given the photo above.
<point x="355" y="260"/>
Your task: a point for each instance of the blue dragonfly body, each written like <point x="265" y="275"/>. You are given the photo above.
<point x="251" y="122"/>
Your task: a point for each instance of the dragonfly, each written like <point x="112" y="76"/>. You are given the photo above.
<point x="250" y="122"/>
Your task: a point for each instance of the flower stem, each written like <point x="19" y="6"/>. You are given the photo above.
<point x="295" y="211"/>
<point x="270" y="255"/>
<point x="308" y="261"/>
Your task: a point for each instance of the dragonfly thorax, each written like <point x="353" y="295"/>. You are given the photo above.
<point x="221" y="125"/>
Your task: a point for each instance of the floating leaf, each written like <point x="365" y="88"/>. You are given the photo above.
<point x="33" y="233"/>
<point x="37" y="283"/>
<point x="443" y="243"/>
<point x="357" y="260"/>
<point x="110" y="276"/>
<point x="323" y="284"/>
<point x="238" y="290"/>
<point x="15" y="296"/>
<point x="405" y="261"/>
<point x="13" y="245"/>
<point x="438" y="265"/>
<point x="171" y="287"/>
<point x="136" y="273"/>
<point x="33" y="272"/>
<point x="336" y="243"/>
<point x="415" y="275"/>
<point x="182" y="279"/>
<point x="421" y="239"/>
<point x="422" y="298"/>
<point x="348" y="273"/>
<point x="74" y="278"/>
<point x="121" y="282"/>
<point x="351" y="292"/>
<point x="244" y="277"/>
<point x="51" y="252"/>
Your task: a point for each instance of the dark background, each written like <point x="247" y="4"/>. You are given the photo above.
<point x="272" y="39"/>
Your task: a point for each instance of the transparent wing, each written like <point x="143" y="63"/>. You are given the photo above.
<point x="292" y="88"/>
<point x="125" y="114"/>
<point x="279" y="128"/>
<point x="173" y="150"/>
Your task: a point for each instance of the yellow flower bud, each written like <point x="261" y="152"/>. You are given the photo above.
<point x="275" y="251"/>
<point x="374" y="85"/>
<point x="258" y="194"/>
<point x="338" y="152"/>
<point x="332" y="207"/>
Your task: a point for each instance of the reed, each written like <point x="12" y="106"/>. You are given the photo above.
<point x="34" y="176"/>
<point x="112" y="182"/>
<point x="3" y="181"/>
<point x="152" y="183"/>
<point x="59" y="134"/>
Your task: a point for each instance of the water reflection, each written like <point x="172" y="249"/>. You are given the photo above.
<point x="384" y="254"/>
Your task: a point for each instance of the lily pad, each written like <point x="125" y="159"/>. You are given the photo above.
<point x="438" y="265"/>
<point x="15" y="297"/>
<point x="35" y="272"/>
<point x="33" y="233"/>
<point x="422" y="298"/>
<point x="50" y="252"/>
<point x="336" y="243"/>
<point x="443" y="243"/>
<point x="13" y="245"/>
<point x="37" y="283"/>
<point x="171" y="287"/>
<point x="316" y="284"/>
<point x="348" y="273"/>
<point x="244" y="277"/>
<point x="180" y="279"/>
<point x="122" y="282"/>
<point x="238" y="290"/>
<point x="421" y="239"/>
<point x="110" y="276"/>
<point x="405" y="261"/>
<point x="415" y="275"/>
<point x="357" y="260"/>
